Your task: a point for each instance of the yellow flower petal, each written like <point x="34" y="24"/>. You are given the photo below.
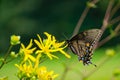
<point x="37" y="61"/>
<point x="41" y="42"/>
<point x="48" y="41"/>
<point x="43" y="74"/>
<point x="22" y="46"/>
<point x="32" y="58"/>
<point x="39" y="51"/>
<point x="27" y="51"/>
<point x="51" y="55"/>
<point x="30" y="44"/>
<point x="68" y="56"/>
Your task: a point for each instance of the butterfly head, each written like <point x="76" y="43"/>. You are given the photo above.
<point x="69" y="43"/>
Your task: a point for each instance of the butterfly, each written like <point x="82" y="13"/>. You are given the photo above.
<point x="84" y="43"/>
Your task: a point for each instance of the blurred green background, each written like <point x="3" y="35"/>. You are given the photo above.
<point x="57" y="17"/>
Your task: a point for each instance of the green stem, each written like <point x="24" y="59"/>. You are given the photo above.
<point x="65" y="72"/>
<point x="107" y="16"/>
<point x="115" y="20"/>
<point x="109" y="37"/>
<point x="115" y="9"/>
<point x="82" y="18"/>
<point x="6" y="56"/>
<point x="76" y="30"/>
<point x="104" y="41"/>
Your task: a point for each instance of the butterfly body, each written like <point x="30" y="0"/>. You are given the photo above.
<point x="84" y="43"/>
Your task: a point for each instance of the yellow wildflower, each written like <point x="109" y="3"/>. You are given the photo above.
<point x="27" y="51"/>
<point x="43" y="74"/>
<point x="49" y="45"/>
<point x="36" y="65"/>
<point x="25" y="70"/>
<point x="59" y="47"/>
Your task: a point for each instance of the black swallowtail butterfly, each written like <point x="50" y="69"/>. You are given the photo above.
<point x="84" y="43"/>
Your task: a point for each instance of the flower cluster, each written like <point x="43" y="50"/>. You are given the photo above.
<point x="30" y="58"/>
<point x="49" y="45"/>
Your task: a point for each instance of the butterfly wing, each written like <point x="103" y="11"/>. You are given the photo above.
<point x="91" y="38"/>
<point x="84" y="43"/>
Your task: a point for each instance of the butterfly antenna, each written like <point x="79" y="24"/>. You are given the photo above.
<point x="65" y="36"/>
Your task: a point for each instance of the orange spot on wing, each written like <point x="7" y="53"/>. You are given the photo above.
<point x="87" y="44"/>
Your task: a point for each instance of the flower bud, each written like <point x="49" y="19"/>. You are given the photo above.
<point x="12" y="54"/>
<point x="15" y="40"/>
<point x="91" y="5"/>
<point x="110" y="52"/>
<point x="116" y="72"/>
<point x="33" y="78"/>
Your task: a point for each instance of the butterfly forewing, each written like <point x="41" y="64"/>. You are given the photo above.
<point x="84" y="43"/>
